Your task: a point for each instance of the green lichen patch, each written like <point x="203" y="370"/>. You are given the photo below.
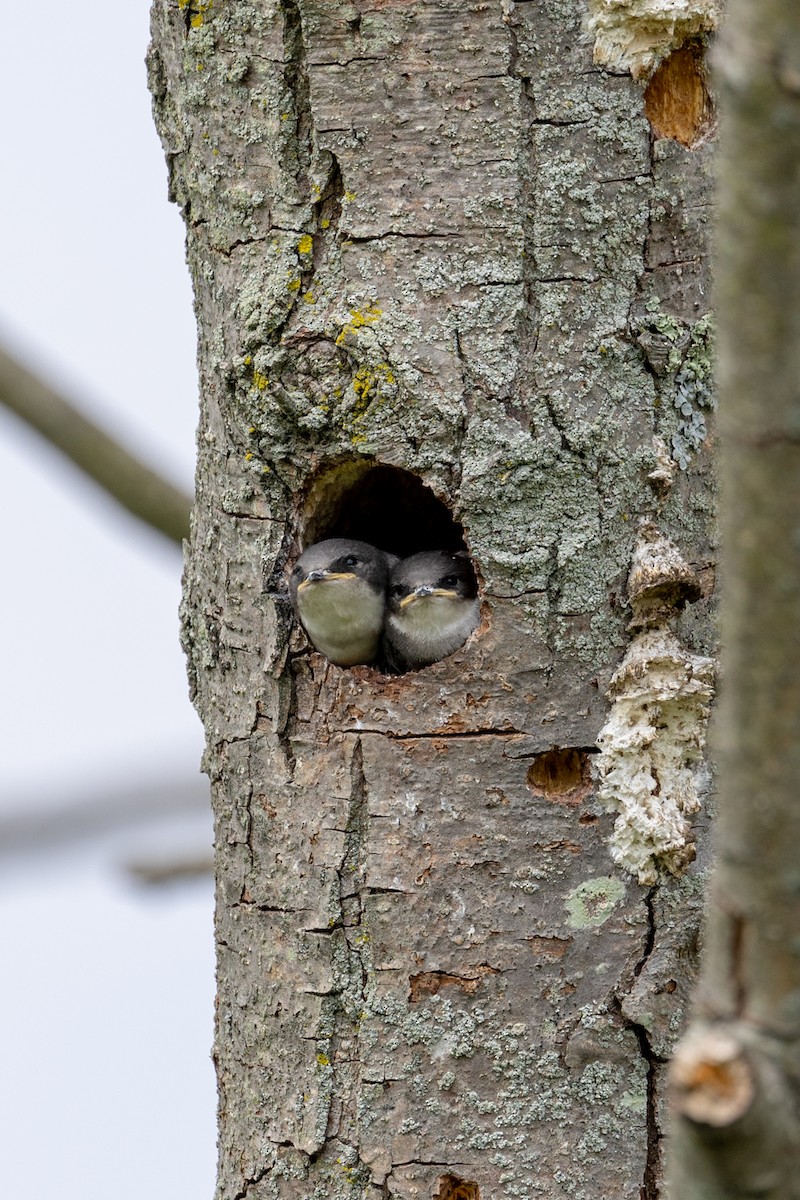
<point x="591" y="903"/>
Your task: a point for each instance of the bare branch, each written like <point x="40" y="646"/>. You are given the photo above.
<point x="135" y="486"/>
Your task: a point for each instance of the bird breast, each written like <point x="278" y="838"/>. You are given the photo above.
<point x="343" y="618"/>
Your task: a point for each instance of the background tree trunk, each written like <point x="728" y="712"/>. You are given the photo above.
<point x="449" y="285"/>
<point x="737" y="1074"/>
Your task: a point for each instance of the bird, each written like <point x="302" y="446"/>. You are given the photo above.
<point x="432" y="607"/>
<point x="338" y="591"/>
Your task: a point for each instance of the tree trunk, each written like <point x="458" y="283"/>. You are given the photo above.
<point x="451" y="285"/>
<point x="737" y="1074"/>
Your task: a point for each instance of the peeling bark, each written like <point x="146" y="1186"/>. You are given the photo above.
<point x="449" y="290"/>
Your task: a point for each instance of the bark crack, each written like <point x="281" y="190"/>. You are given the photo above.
<point x="524" y="381"/>
<point x="250" y="1183"/>
<point x="650" y="1187"/>
<point x="346" y="62"/>
<point x="350" y="969"/>
<point x="444" y="735"/>
<point x="295" y="75"/>
<point x="377" y="237"/>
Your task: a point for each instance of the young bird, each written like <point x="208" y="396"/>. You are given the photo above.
<point x="338" y="591"/>
<point x="431" y="609"/>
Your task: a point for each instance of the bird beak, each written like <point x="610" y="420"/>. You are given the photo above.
<point x="320" y="576"/>
<point x="421" y="593"/>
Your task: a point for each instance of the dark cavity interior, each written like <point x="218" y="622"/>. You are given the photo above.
<point x="386" y="506"/>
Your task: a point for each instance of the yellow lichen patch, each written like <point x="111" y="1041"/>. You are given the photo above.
<point x="358" y="319"/>
<point x="350" y="196"/>
<point x="199" y="9"/>
<point x="309" y="298"/>
<point x="260" y="381"/>
<point x="323" y="1060"/>
<point x="363" y="384"/>
<point x="248" y="359"/>
<point x="306" y="244"/>
<point x="294" y="285"/>
<point x="367" y="385"/>
<point x="325" y="223"/>
<point x="367" y="317"/>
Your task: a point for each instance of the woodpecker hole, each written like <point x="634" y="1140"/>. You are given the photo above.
<point x="450" y="1187"/>
<point x="561" y="775"/>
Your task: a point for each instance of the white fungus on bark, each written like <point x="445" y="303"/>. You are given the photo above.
<point x="660" y="582"/>
<point x="656" y="729"/>
<point x="636" y="35"/>
<point x="649" y="747"/>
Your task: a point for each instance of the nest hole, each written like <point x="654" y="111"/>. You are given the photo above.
<point x="386" y="506"/>
<point x="451" y="1187"/>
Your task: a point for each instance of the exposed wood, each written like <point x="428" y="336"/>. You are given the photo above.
<point x="677" y="100"/>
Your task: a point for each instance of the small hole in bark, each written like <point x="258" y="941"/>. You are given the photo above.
<point x="677" y="102"/>
<point x="430" y="983"/>
<point x="561" y="774"/>
<point x="386" y="506"/>
<point x="450" y="1187"/>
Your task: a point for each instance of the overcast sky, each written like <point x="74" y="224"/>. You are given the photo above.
<point x="107" y="999"/>
<point x="95" y="294"/>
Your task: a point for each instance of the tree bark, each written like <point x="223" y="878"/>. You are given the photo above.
<point x="451" y="289"/>
<point x="737" y="1075"/>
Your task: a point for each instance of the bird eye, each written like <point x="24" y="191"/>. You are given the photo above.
<point x="450" y="581"/>
<point x="397" y="589"/>
<point x="351" y="561"/>
<point x="298" y="570"/>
